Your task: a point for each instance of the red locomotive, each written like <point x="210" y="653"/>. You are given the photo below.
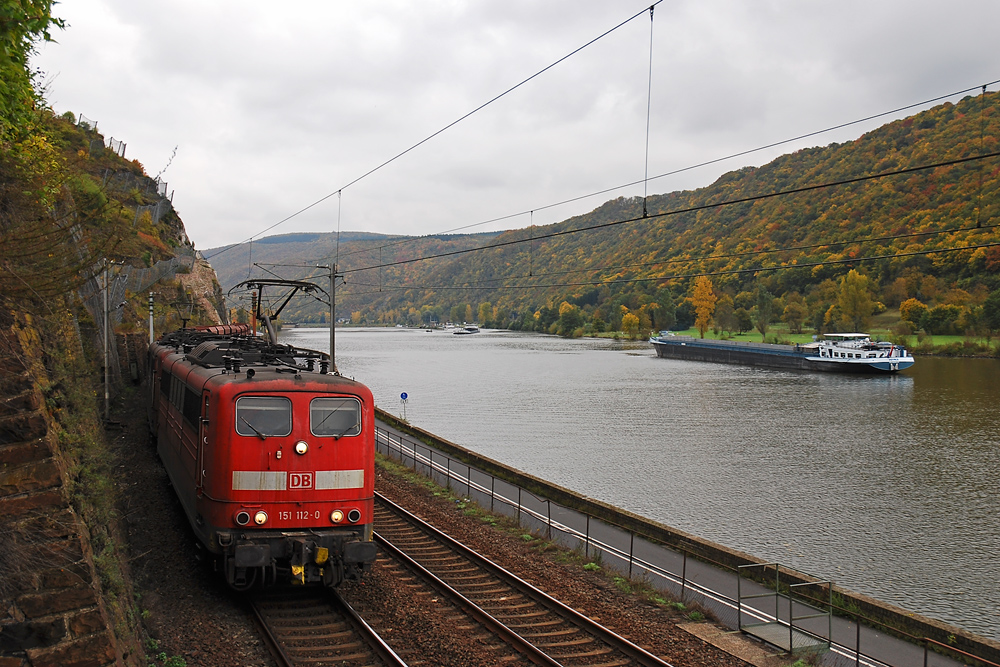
<point x="271" y="455"/>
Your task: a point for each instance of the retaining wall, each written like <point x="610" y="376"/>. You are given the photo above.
<point x="51" y="612"/>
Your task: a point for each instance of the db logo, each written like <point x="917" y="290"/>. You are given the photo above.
<point x="300" y="480"/>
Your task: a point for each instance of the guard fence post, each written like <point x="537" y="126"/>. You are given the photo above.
<point x="684" y="569"/>
<point x="548" y="519"/>
<point x="519" y="505"/>
<point x="631" y="550"/>
<point x="857" y="641"/>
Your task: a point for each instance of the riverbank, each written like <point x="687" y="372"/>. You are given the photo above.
<point x="914" y="632"/>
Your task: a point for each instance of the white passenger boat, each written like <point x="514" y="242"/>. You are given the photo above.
<point x="857" y="352"/>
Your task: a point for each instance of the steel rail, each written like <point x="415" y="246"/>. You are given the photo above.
<point x="612" y="639"/>
<point x="271" y="642"/>
<point x="374" y="640"/>
<point x="519" y="643"/>
<point x="376" y="646"/>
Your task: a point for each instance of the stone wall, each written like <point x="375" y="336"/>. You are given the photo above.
<point x="51" y="609"/>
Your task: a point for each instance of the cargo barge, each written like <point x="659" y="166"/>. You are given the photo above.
<point x="841" y="353"/>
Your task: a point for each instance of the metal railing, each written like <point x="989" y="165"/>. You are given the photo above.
<point x="690" y="577"/>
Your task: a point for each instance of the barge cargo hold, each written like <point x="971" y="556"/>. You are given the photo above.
<point x="841" y="353"/>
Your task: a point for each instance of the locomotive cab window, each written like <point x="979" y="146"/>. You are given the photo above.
<point x="337" y="417"/>
<point x="263" y="416"/>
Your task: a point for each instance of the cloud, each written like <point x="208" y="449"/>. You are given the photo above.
<point x="275" y="106"/>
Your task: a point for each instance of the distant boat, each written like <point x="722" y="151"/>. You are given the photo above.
<point x="844" y="353"/>
<point x="467" y="329"/>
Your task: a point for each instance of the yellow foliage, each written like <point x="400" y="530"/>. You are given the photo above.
<point x="703" y="301"/>
<point x="630" y="325"/>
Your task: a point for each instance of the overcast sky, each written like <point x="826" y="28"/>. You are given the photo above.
<point x="273" y="106"/>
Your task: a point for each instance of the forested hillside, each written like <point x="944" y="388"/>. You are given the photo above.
<point x="924" y="239"/>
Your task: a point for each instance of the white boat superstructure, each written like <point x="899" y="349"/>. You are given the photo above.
<point x="857" y="351"/>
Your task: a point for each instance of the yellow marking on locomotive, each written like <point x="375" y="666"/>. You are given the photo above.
<point x="298" y="574"/>
<point x="322" y="555"/>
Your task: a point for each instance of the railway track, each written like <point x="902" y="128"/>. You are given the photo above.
<point x="316" y="627"/>
<point x="542" y="629"/>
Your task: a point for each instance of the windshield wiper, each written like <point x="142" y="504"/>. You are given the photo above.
<point x="259" y="434"/>
<point x="349" y="428"/>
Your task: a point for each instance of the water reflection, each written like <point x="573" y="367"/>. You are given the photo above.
<point x="887" y="485"/>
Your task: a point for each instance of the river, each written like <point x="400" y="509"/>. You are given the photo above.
<point x="886" y="485"/>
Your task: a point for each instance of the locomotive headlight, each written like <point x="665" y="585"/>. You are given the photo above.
<point x="336" y="516"/>
<point x="301" y="447"/>
<point x="260" y="518"/>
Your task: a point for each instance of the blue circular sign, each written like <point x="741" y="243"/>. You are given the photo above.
<point x="403" y="396"/>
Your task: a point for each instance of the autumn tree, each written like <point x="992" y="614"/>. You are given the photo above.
<point x="795" y="312"/>
<point x="991" y="313"/>
<point x="485" y="314"/>
<point x="912" y="311"/>
<point x="630" y="325"/>
<point x="703" y="299"/>
<point x="645" y="321"/>
<point x="500" y="318"/>
<point x="664" y="315"/>
<point x="570" y="319"/>
<point x="743" y="320"/>
<point x="941" y="319"/>
<point x="763" y="311"/>
<point x="725" y="314"/>
<point x="855" y="300"/>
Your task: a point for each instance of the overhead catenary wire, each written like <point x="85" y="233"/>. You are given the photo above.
<point x="689" y="275"/>
<point x="667" y="261"/>
<point x="446" y="127"/>
<point x="749" y="253"/>
<point x="622" y="186"/>
<point x="674" y="172"/>
<point x="688" y="209"/>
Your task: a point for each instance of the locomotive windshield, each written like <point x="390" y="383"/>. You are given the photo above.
<point x="335" y="416"/>
<point x="263" y="416"/>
